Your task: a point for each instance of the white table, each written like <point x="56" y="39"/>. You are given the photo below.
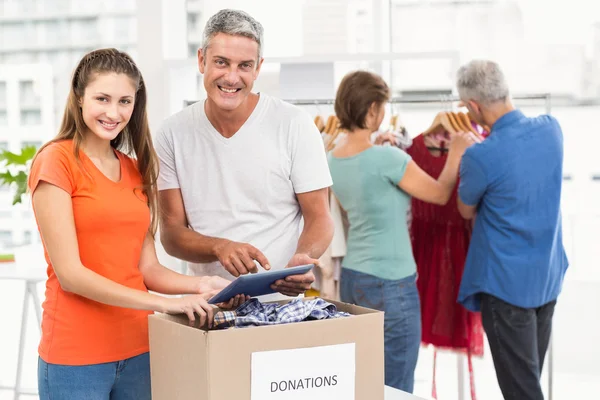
<point x="395" y="394"/>
<point x="31" y="274"/>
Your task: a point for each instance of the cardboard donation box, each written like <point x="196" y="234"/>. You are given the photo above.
<point x="331" y="359"/>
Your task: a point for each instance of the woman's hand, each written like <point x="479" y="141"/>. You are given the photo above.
<point x="190" y="305"/>
<point x="461" y="141"/>
<point x="386" y="137"/>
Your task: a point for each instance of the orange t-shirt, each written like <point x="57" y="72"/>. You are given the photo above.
<point x="111" y="221"/>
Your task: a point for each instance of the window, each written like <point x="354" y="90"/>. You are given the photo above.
<point x="12" y="36"/>
<point x="192" y="50"/>
<point x="3" y="188"/>
<point x="27" y="237"/>
<point x="2" y="94"/>
<point x="26" y="7"/>
<point x="60" y="62"/>
<point x="60" y="6"/>
<point x="84" y="31"/>
<point x="21" y="57"/>
<point x="6" y="238"/>
<point x="28" y="94"/>
<point x="3" y="117"/>
<point x="31" y="117"/>
<point x="29" y="34"/>
<point x="192" y="20"/>
<point x="35" y="143"/>
<point x="121" y="5"/>
<point x="54" y="32"/>
<point x="124" y="30"/>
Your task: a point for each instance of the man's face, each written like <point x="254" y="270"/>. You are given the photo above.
<point x="230" y="67"/>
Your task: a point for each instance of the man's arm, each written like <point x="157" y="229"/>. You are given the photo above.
<point x="314" y="240"/>
<point x="472" y="186"/>
<point x="467" y="212"/>
<point x="184" y="243"/>
<point x="318" y="224"/>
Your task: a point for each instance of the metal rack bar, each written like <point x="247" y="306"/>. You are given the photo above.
<point x="421" y="99"/>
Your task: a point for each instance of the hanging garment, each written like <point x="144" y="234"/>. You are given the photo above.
<point x="255" y="313"/>
<point x="440" y="239"/>
<point x="327" y="276"/>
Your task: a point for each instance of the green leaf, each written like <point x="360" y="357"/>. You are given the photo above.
<point x="21" y="180"/>
<point x="20" y="162"/>
<point x="7" y="178"/>
<point x="11" y="158"/>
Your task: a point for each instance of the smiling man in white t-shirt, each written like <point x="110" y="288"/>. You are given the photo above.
<point x="240" y="171"/>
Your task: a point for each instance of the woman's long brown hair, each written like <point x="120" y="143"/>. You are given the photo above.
<point x="135" y="139"/>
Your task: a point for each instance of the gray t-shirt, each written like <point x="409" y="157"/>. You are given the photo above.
<point x="244" y="188"/>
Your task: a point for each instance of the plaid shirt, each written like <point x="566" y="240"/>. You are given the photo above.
<point x="254" y="313"/>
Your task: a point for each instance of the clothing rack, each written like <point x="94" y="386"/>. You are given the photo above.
<point x="445" y="99"/>
<point x="442" y="98"/>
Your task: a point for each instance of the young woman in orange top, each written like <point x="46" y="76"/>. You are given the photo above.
<point x="94" y="196"/>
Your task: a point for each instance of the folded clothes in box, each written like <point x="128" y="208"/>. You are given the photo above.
<point x="255" y="313"/>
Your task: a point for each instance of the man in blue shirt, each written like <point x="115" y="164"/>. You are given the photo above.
<point x="511" y="185"/>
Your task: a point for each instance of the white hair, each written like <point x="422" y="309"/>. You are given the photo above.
<point x="233" y="22"/>
<point x="482" y="81"/>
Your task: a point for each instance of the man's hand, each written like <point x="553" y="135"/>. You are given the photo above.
<point x="238" y="258"/>
<point x="296" y="284"/>
<point x="233" y="303"/>
<point x="210" y="286"/>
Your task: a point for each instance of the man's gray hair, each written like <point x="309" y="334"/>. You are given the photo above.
<point x="482" y="81"/>
<point x="233" y="22"/>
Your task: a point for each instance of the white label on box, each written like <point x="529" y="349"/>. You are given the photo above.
<point x="316" y="373"/>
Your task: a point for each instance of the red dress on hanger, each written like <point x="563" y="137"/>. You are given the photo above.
<point x="440" y="241"/>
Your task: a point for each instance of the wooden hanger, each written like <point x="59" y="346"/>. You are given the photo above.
<point x="454" y="121"/>
<point x="394" y="123"/>
<point x="319" y="123"/>
<point x="467" y="122"/>
<point x="330" y="145"/>
<point x="327" y="128"/>
<point x="441" y="121"/>
<point x="334" y="125"/>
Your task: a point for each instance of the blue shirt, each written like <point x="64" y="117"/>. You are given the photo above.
<point x="515" y="178"/>
<point x="366" y="186"/>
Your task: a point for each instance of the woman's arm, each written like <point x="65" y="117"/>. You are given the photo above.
<point x="54" y="212"/>
<point x="419" y="184"/>
<point x="161" y="279"/>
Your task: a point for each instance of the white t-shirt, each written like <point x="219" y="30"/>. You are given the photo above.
<point x="244" y="188"/>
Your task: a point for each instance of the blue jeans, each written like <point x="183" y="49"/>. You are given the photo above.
<point x="122" y="380"/>
<point x="399" y="300"/>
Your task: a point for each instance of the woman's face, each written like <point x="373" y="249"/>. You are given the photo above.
<point x="107" y="104"/>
